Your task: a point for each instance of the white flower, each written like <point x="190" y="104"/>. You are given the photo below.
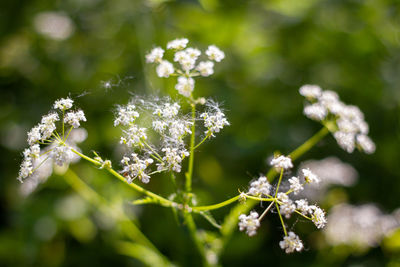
<point x="260" y="187"/>
<point x="315" y="111"/>
<point x="193" y="53"/>
<point x="34" y="135"/>
<point x="249" y="223"/>
<point x="186" y="60"/>
<point x="126" y="115"/>
<point x="365" y="143"/>
<point x="185" y="86"/>
<point x="134" y="136"/>
<point x="34" y="151"/>
<point x="309" y="176"/>
<point x="26" y="169"/>
<point x="214" y="53"/>
<point x="159" y="126"/>
<point x="282" y="162"/>
<point x="178" y="128"/>
<point x="206" y="68"/>
<point x="164" y="69"/>
<point x="177" y="44"/>
<point x="214" y="120"/>
<point x="47" y="126"/>
<point x="155" y="55"/>
<point x="318" y="216"/>
<point x="74" y="118"/>
<point x="345" y="140"/>
<point x="169" y="111"/>
<point x="63" y="104"/>
<point x="287" y="209"/>
<point x="136" y="168"/>
<point x="310" y="91"/>
<point x="286" y="206"/>
<point x="295" y="185"/>
<point x="284" y="198"/>
<point x="173" y="157"/>
<point x="61" y="155"/>
<point x="302" y="206"/>
<point x="291" y="243"/>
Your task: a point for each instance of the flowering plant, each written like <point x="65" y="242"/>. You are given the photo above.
<point x="158" y="136"/>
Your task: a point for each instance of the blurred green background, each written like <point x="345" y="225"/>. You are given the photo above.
<point x="271" y="47"/>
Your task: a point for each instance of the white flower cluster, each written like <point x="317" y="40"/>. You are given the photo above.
<point x="59" y="148"/>
<point x="214" y="119"/>
<point x="260" y="187"/>
<point x="134" y="167"/>
<point x="186" y="66"/>
<point x="291" y="243"/>
<point x="261" y="190"/>
<point x="249" y="223"/>
<point x="157" y="129"/>
<point x="351" y="130"/>
<point x="359" y="226"/>
<point x="282" y="162"/>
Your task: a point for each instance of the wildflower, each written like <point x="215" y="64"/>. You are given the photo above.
<point x="178" y="44"/>
<point x="302" y="206"/>
<point x="318" y="216"/>
<point x="295" y="185"/>
<point x="350" y="130"/>
<point x="315" y="111"/>
<point x="47" y="126"/>
<point x="126" y="115"/>
<point x="205" y="68"/>
<point x="286" y="205"/>
<point x="309" y="176"/>
<point x="135" y="168"/>
<point x="260" y="187"/>
<point x="310" y="91"/>
<point x="365" y="143"/>
<point x="134" y="136"/>
<point x="58" y="150"/>
<point x="34" y="135"/>
<point x="291" y="243"/>
<point x="155" y="55"/>
<point x="61" y="155"/>
<point x="164" y="69"/>
<point x="185" y="86"/>
<point x="73" y="118"/>
<point x="173" y="158"/>
<point x="249" y="223"/>
<point x="282" y="162"/>
<point x="214" y="53"/>
<point x="63" y="104"/>
<point x="214" y="119"/>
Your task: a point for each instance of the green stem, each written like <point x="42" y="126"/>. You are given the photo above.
<point x="216" y="206"/>
<point x="163" y="201"/>
<point x="266" y="211"/>
<point x="202" y="141"/>
<point x="193" y="233"/>
<point x="279" y="182"/>
<point x="306" y="146"/>
<point x="191" y="157"/>
<point x="298" y="212"/>
<point x="280" y="217"/>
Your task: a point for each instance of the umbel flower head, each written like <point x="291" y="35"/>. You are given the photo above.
<point x="48" y="144"/>
<point x="185" y="65"/>
<point x="349" y="127"/>
<point x="155" y="133"/>
<point x="260" y="189"/>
